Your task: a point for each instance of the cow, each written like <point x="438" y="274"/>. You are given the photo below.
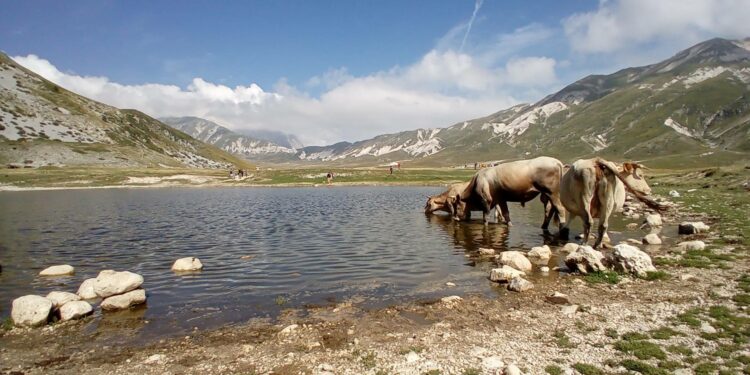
<point x="596" y="187"/>
<point x="516" y="181"/>
<point x="441" y="201"/>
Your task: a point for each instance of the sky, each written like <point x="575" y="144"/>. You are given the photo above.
<point x="329" y="71"/>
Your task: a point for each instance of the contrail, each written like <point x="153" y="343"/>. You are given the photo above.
<point x="477" y="5"/>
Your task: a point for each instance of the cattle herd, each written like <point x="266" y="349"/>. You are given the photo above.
<point x="590" y="188"/>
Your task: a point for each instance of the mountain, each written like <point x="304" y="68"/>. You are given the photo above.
<point x="212" y="133"/>
<point x="42" y="124"/>
<point x="695" y="104"/>
<point x="277" y="137"/>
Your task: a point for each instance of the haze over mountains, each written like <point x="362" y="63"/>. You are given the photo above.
<point x="694" y="105"/>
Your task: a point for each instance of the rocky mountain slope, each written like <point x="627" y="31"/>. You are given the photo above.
<point x="695" y="104"/>
<point x="42" y="124"/>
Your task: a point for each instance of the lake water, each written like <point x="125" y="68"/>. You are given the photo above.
<point x="263" y="249"/>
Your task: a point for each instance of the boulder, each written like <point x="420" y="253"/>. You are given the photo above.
<point x="585" y="259"/>
<point x="511" y="369"/>
<point x="505" y="273"/>
<point x="60" y="270"/>
<point x="86" y="290"/>
<point x="75" y="310"/>
<point x="30" y="311"/>
<point x="541" y="252"/>
<point x="110" y="283"/>
<point x="654" y="220"/>
<point x="519" y="284"/>
<point x="674" y="194"/>
<point x="60" y="298"/>
<point x="569" y="310"/>
<point x="631" y="259"/>
<point x="558" y="298"/>
<point x="123" y="301"/>
<point x="187" y="264"/>
<point x="691" y="245"/>
<point x="493" y="363"/>
<point x="544" y="269"/>
<point x="570" y="247"/>
<point x="515" y="259"/>
<point x="692" y="227"/>
<point x="652" y="239"/>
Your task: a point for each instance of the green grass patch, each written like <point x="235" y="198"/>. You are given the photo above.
<point x="602" y="277"/>
<point x="643" y="367"/>
<point x="414" y="348"/>
<point x="611" y="333"/>
<point x="641" y="349"/>
<point x="690" y="317"/>
<point x="706" y="368"/>
<point x="553" y="370"/>
<point x="680" y="349"/>
<point x="656" y="275"/>
<point x="663" y="333"/>
<point x="587" y="369"/>
<point x="742" y="299"/>
<point x="562" y="340"/>
<point x="472" y="371"/>
<point x="368" y="360"/>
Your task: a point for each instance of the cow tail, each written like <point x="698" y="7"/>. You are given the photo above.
<point x="643" y="198"/>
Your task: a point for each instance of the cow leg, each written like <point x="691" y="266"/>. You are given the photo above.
<point x="506" y="213"/>
<point x="606" y="208"/>
<point x="486" y="207"/>
<point x="548" y="211"/>
<point x="559" y="210"/>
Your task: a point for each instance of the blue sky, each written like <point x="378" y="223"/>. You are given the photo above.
<point x="345" y="70"/>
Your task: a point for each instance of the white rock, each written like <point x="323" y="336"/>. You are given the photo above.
<point x="187" y="264"/>
<point x="505" y="273"/>
<point x="651" y="239"/>
<point x="585" y="259"/>
<point x="110" y="283"/>
<point x="674" y="194"/>
<point x="544" y="269"/>
<point x="570" y="247"/>
<point x="75" y="310"/>
<point x="686" y="277"/>
<point x="450" y="299"/>
<point x="60" y="298"/>
<point x="519" y="284"/>
<point x="515" y="259"/>
<point x="631" y="259"/>
<point x="156" y="358"/>
<point x="707" y="328"/>
<point x="86" y="290"/>
<point x="691" y="245"/>
<point x="61" y="270"/>
<point x="654" y="220"/>
<point x="412" y="357"/>
<point x="692" y="227"/>
<point x="569" y="310"/>
<point x="493" y="363"/>
<point x="30" y="310"/>
<point x="486" y="251"/>
<point x="558" y="298"/>
<point x="542" y="252"/>
<point x="512" y="369"/>
<point x="289" y="329"/>
<point x="450" y="284"/>
<point x="123" y="301"/>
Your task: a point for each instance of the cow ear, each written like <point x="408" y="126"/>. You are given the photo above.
<point x="628" y="167"/>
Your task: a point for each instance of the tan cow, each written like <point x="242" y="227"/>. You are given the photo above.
<point x="440" y="202"/>
<point x="517" y="181"/>
<point x="596" y="187"/>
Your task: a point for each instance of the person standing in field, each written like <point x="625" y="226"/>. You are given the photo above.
<point x="329" y="178"/>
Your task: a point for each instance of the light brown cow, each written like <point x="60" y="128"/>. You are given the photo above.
<point x="517" y="181"/>
<point x="596" y="187"/>
<point x="440" y="202"/>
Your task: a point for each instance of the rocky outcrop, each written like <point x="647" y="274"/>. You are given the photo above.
<point x="505" y="274"/>
<point x="541" y="252"/>
<point x="75" y="310"/>
<point x="631" y="259"/>
<point x="585" y="259"/>
<point x="515" y="259"/>
<point x="570" y="247"/>
<point x="30" y="311"/>
<point x="651" y="239"/>
<point x="110" y="283"/>
<point x="60" y="298"/>
<point x="124" y="301"/>
<point x="654" y="221"/>
<point x="189" y="264"/>
<point x="60" y="270"/>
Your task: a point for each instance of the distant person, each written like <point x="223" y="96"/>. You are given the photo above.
<point x="390" y="169"/>
<point x="398" y="165"/>
<point x="329" y="178"/>
<point x="475" y="166"/>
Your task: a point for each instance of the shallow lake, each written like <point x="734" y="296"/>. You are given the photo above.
<point x="263" y="249"/>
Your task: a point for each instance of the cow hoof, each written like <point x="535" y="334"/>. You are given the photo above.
<point x="509" y="224"/>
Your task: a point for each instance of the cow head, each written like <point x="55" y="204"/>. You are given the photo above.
<point x="633" y="174"/>
<point x="457" y="207"/>
<point x="432" y="205"/>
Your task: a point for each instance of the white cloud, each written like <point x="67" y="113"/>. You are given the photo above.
<point x="442" y="88"/>
<point x="627" y="24"/>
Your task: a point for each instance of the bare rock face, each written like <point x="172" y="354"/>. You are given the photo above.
<point x="86" y="290"/>
<point x="515" y="259"/>
<point x="654" y="220"/>
<point x="692" y="227"/>
<point x="652" y="239"/>
<point x="30" y="311"/>
<point x="110" y="283"/>
<point x="541" y="252"/>
<point x="75" y="310"/>
<point x="691" y="245"/>
<point x="631" y="259"/>
<point x="505" y="274"/>
<point x="585" y="259"/>
<point x="60" y="270"/>
<point x="124" y="301"/>
<point x="189" y="264"/>
<point x="519" y="284"/>
<point x="60" y="298"/>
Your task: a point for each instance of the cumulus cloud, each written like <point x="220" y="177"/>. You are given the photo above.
<point x="624" y="24"/>
<point x="441" y="88"/>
